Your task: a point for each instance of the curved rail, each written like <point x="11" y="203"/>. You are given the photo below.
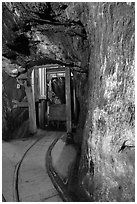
<point x="54" y="175"/>
<point x="16" y="173"/>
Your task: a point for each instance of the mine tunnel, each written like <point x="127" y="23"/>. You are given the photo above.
<point x="56" y="103"/>
<point x="68" y="101"/>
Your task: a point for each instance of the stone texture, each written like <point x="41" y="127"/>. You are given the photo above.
<point x="99" y="38"/>
<point x="107" y="164"/>
<point x="12" y="117"/>
<point x="63" y="157"/>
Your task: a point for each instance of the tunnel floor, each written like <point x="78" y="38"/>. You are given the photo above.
<point x="34" y="184"/>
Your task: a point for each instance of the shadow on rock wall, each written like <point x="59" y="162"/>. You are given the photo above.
<point x="12" y="116"/>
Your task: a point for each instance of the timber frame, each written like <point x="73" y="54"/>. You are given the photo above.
<point x="30" y="93"/>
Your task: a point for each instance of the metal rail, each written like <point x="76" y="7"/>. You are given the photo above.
<point x="16" y="174"/>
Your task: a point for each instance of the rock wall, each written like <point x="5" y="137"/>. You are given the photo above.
<point x="12" y="116"/>
<point x="97" y="39"/>
<point x="37" y="39"/>
<point x="107" y="171"/>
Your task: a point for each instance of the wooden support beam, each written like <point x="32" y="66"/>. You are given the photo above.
<point x="68" y="99"/>
<point x="51" y="68"/>
<point x="47" y="66"/>
<point x="32" y="112"/>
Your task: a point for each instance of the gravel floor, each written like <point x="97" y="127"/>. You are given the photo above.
<point x="34" y="183"/>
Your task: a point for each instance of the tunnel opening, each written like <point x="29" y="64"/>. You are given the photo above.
<point x="51" y="96"/>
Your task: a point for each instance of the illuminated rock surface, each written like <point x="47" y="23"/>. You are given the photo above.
<point x="99" y="38"/>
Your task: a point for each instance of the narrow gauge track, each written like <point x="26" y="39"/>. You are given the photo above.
<point x="16" y="174"/>
<point x="33" y="184"/>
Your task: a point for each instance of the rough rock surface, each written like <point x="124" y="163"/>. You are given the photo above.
<point x="41" y="33"/>
<point x="107" y="163"/>
<point x="97" y="41"/>
<point x="12" y="116"/>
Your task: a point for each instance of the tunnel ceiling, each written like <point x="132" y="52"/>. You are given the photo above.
<point x="42" y="33"/>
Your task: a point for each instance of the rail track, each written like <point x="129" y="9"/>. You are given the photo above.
<point x="30" y="173"/>
<point x="16" y="174"/>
